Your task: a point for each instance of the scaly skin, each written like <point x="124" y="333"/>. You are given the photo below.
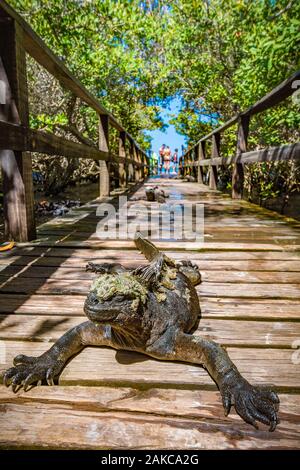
<point x="159" y="323"/>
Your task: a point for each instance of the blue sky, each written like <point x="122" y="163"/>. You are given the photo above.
<point x="170" y="136"/>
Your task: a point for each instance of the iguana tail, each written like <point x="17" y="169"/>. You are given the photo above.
<point x="149" y="250"/>
<point x="146" y="247"/>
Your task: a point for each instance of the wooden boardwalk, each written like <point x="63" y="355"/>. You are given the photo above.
<point x="250" y="302"/>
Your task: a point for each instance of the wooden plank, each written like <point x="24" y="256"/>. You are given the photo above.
<point x="90" y="253"/>
<point x="71" y="242"/>
<point x="16" y="167"/>
<point x="70" y="273"/>
<point x="100" y="366"/>
<point x="207" y="289"/>
<point x="208" y="264"/>
<point x="128" y="418"/>
<point x="254" y="290"/>
<point x="249" y="308"/>
<point x="211" y="307"/>
<point x="42" y="305"/>
<point x="261" y="334"/>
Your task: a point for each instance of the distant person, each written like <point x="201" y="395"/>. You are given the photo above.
<point x="167" y="159"/>
<point x="162" y="156"/>
<point x="175" y="160"/>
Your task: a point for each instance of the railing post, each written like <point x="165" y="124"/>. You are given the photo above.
<point x="122" y="165"/>
<point x="137" y="171"/>
<point x="142" y="161"/>
<point x="238" y="169"/>
<point x="200" y="156"/>
<point x="131" y="171"/>
<point x="18" y="200"/>
<point x="104" y="175"/>
<point x="186" y="160"/>
<point x="215" y="153"/>
<point x="194" y="168"/>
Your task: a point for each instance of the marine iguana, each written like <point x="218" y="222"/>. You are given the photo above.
<point x="152" y="195"/>
<point x="154" y="310"/>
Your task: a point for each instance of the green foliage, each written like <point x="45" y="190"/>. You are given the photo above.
<point x="219" y="56"/>
<point x="114" y="47"/>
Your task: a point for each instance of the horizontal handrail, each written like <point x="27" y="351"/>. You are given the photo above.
<point x="20" y="138"/>
<point x="269" y="154"/>
<point x="273" y="98"/>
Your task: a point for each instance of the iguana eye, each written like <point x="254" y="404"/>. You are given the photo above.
<point x="119" y="298"/>
<point x="93" y="298"/>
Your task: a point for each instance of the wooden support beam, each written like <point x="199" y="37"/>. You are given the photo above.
<point x="123" y="167"/>
<point x="186" y="162"/>
<point x="143" y="168"/>
<point x="16" y="166"/>
<point x="104" y="177"/>
<point x="213" y="169"/>
<point x="200" y="156"/>
<point x="136" y="166"/>
<point x="131" y="172"/>
<point x="238" y="169"/>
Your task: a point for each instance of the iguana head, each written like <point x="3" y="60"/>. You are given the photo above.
<point x="115" y="297"/>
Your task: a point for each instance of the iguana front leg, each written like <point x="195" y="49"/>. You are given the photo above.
<point x="251" y="403"/>
<point x="29" y="370"/>
<point x="105" y="268"/>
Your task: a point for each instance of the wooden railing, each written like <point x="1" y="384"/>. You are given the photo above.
<point x="195" y="158"/>
<point x="17" y="140"/>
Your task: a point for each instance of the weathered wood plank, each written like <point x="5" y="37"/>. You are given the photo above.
<point x="226" y="332"/>
<point x="207" y="289"/>
<point x="204" y="265"/>
<point x="90" y="253"/>
<point x="69" y="273"/>
<point x="100" y="366"/>
<point x="128" y="418"/>
<point x="213" y="307"/>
